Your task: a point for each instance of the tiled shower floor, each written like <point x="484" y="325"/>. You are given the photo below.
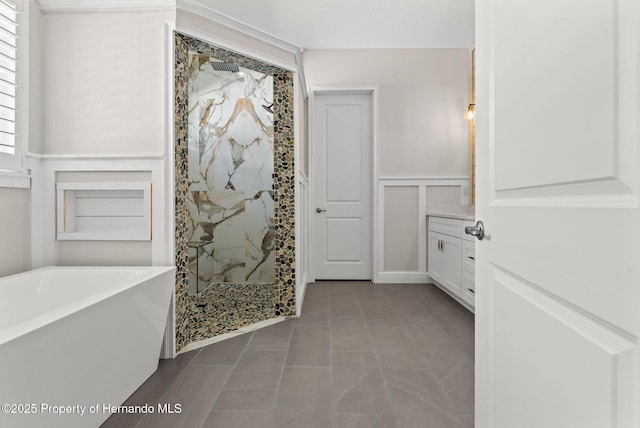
<point x="361" y="355"/>
<point x="223" y="308"/>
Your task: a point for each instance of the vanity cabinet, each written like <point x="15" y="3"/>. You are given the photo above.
<point x="451" y="261"/>
<point x="446" y="261"/>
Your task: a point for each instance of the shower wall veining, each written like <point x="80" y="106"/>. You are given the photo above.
<point x="230" y="198"/>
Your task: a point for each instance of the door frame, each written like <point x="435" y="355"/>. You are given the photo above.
<point x="371" y="90"/>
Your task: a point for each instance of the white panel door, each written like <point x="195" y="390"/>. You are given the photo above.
<point x="557" y="276"/>
<point x="342" y="165"/>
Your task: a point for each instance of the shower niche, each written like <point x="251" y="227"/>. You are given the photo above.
<point x="234" y="191"/>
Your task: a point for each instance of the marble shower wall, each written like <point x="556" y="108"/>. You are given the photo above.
<point x="230" y="170"/>
<point x="229" y="306"/>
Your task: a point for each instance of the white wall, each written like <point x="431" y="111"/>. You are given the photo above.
<point x="422" y="134"/>
<point x="14" y="231"/>
<point x="97" y="88"/>
<point x="104" y="82"/>
<point x="423" y="97"/>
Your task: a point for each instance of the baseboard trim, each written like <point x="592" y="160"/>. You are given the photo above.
<point x="402" y="278"/>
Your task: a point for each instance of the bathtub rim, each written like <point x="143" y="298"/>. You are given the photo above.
<point x="23" y="328"/>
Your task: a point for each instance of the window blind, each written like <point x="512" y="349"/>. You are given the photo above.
<point x="8" y="75"/>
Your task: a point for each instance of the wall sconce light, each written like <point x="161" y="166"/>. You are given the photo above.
<point x="471" y="112"/>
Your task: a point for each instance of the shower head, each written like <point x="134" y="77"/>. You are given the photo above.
<point x="268" y="107"/>
<point x="224" y="66"/>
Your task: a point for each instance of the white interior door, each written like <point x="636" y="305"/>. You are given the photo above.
<point x="342" y="176"/>
<point x="558" y="284"/>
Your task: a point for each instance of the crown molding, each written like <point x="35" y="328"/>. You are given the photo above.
<point x="51" y="6"/>
<point x="194" y="6"/>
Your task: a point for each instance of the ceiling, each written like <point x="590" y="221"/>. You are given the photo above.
<point x="357" y="24"/>
<point x="332" y="24"/>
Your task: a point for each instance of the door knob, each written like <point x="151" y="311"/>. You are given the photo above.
<point x="477" y="230"/>
<point x="320" y="210"/>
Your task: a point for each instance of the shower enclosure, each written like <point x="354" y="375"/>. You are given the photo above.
<point x="235" y="191"/>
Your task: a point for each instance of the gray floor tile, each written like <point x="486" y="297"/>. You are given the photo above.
<point x="428" y="338"/>
<point x="151" y="391"/>
<point x="319" y="317"/>
<point x="310" y="346"/>
<point x="315" y="310"/>
<point x="375" y="294"/>
<point x="364" y="420"/>
<point x="272" y="338"/>
<point x="350" y="335"/>
<point x="196" y="389"/>
<point x="394" y="349"/>
<point x="316" y="290"/>
<point x="303" y="399"/>
<point x="455" y="373"/>
<point x="463" y="334"/>
<point x="354" y="359"/>
<point x="380" y="316"/>
<point x="224" y="353"/>
<point x="413" y="313"/>
<point x="316" y="304"/>
<point x="236" y="419"/>
<point x="253" y="383"/>
<point x="345" y="287"/>
<point x="467" y="420"/>
<point x="419" y="400"/>
<point x="315" y="301"/>
<point x="345" y="307"/>
<point x="360" y="356"/>
<point x="390" y="338"/>
<point x="358" y="385"/>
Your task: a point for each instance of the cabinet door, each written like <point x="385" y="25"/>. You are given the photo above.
<point x="453" y="264"/>
<point x="436" y="257"/>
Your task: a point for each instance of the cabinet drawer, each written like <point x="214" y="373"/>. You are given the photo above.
<point x="446" y="226"/>
<point x="469" y="288"/>
<point x="469" y="256"/>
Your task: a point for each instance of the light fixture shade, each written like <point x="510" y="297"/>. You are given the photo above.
<point x="471" y="112"/>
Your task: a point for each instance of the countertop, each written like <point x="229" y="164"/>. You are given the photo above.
<point x="456" y="215"/>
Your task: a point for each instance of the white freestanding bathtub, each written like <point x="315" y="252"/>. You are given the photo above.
<point x="78" y="336"/>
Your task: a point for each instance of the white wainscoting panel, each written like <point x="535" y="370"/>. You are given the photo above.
<point x="421" y="183"/>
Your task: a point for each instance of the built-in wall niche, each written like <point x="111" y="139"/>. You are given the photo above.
<point x="104" y="211"/>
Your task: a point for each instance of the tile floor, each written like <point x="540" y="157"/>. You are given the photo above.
<point x="361" y="355"/>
